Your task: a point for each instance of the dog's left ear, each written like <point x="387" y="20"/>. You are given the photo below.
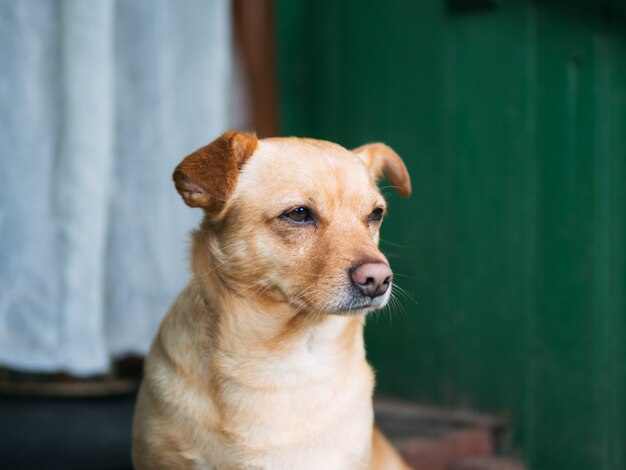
<point x="208" y="177"/>
<point x="382" y="160"/>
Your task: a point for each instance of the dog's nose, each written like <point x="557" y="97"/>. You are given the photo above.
<point x="372" y="279"/>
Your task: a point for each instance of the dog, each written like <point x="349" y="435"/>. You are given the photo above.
<point x="260" y="362"/>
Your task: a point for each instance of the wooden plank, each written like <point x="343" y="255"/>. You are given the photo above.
<point x="495" y="166"/>
<point x="616" y="332"/>
<point x="601" y="237"/>
<point x="568" y="324"/>
<point x="296" y="69"/>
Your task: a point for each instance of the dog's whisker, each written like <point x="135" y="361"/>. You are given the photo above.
<point x="403" y="292"/>
<point x="395" y="273"/>
<point x="398" y="245"/>
<point x="394" y="306"/>
<point x="399" y="304"/>
<point x="408" y="297"/>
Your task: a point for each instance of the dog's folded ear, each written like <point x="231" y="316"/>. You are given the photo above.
<point x="381" y="160"/>
<point x="207" y="177"/>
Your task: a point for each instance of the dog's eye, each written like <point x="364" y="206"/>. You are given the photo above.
<point x="298" y="215"/>
<point x="376" y="215"/>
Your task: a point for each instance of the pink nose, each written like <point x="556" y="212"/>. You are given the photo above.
<point x="372" y="279"/>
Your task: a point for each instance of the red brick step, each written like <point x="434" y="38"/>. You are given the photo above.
<point x="436" y="439"/>
<point x="487" y="464"/>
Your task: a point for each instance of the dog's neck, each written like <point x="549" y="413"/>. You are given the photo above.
<point x="275" y="349"/>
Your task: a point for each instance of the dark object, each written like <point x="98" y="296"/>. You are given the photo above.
<point x="66" y="433"/>
<point x="123" y="378"/>
<point x="59" y="422"/>
<point x="469" y="6"/>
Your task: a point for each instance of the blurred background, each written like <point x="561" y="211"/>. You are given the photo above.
<point x="510" y="116"/>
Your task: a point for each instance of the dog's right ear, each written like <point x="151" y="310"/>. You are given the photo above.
<point x="208" y="177"/>
<point x="382" y="160"/>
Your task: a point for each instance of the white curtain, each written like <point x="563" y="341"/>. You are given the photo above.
<point x="99" y="100"/>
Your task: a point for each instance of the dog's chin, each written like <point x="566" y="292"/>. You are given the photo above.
<point x="346" y="303"/>
<point x="357" y="304"/>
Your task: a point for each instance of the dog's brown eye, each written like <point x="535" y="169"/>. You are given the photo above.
<point x="298" y="215"/>
<point x="376" y="215"/>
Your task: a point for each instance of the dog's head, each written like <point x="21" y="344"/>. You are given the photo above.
<point x="293" y="220"/>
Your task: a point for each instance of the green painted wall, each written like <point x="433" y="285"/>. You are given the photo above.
<point x="512" y="122"/>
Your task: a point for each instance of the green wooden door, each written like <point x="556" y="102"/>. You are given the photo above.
<point x="512" y="122"/>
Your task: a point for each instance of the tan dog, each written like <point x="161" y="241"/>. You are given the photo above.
<point x="260" y="362"/>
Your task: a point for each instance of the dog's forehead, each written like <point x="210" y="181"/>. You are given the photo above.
<point x="307" y="164"/>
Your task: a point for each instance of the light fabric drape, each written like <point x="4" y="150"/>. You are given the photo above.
<point x="99" y="100"/>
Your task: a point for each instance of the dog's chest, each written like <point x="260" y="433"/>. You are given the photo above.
<point x="302" y="416"/>
<point x="294" y="397"/>
<point x="298" y="436"/>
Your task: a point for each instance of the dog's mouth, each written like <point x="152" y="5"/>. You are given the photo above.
<point x="354" y="303"/>
<point x="360" y="307"/>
